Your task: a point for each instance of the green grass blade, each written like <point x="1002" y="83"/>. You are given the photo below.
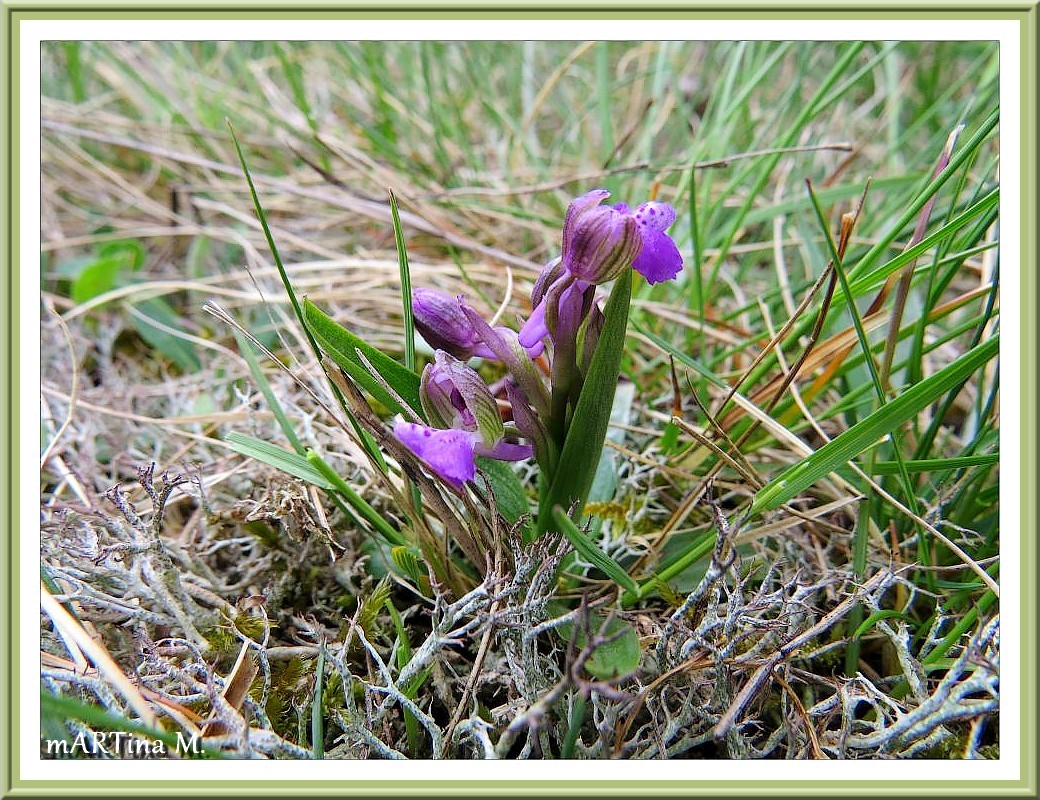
<point x="317" y="717"/>
<point x="245" y="347"/>
<point x="929" y="191"/>
<point x="864" y="434"/>
<point x="682" y="357"/>
<point x="356" y="501"/>
<point x="877" y="276"/>
<point x="935" y="464"/>
<point x="406" y="285"/>
<point x="289" y="291"/>
<point x="277" y="457"/>
<point x="591" y="553"/>
<point x="364" y="436"/>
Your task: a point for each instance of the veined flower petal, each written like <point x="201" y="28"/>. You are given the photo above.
<point x="599" y="242"/>
<point x="453" y="395"/>
<point x="439" y="318"/>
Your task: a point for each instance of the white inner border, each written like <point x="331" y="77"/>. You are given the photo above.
<point x="33" y="32"/>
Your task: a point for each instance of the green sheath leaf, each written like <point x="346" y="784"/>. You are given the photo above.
<point x="341" y="346"/>
<point x="581" y="450"/>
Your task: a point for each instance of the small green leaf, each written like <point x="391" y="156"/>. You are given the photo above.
<point x="864" y="434"/>
<point x="180" y="351"/>
<point x="615" y="659"/>
<point x="341" y="346"/>
<point x="130" y="251"/>
<point x="587" y="550"/>
<point x="407" y="561"/>
<point x="96" y="278"/>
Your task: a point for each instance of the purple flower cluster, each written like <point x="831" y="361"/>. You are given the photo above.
<point x="599" y="243"/>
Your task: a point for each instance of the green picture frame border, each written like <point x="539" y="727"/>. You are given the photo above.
<point x="13" y="14"/>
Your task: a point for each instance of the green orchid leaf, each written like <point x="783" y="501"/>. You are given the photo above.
<point x="341" y="346"/>
<point x="588" y="551"/>
<point x="618" y="658"/>
<point x="510" y="497"/>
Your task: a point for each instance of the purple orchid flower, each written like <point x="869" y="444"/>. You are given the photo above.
<point x="599" y="243"/>
<point x="454" y="396"/>
<point x="451" y="453"/>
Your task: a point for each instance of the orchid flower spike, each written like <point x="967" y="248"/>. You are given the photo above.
<point x="599" y="243"/>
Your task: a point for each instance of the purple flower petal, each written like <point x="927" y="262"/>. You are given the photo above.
<point x="534" y="330"/>
<point x="550" y="273"/>
<point x="507" y="451"/>
<point x="659" y="260"/>
<point x="453" y="395"/>
<point x="655" y="216"/>
<point x="448" y="453"/>
<point x="570" y="309"/>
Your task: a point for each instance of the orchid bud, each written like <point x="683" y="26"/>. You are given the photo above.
<point x="599" y="242"/>
<point x="453" y="395"/>
<point x="440" y="320"/>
